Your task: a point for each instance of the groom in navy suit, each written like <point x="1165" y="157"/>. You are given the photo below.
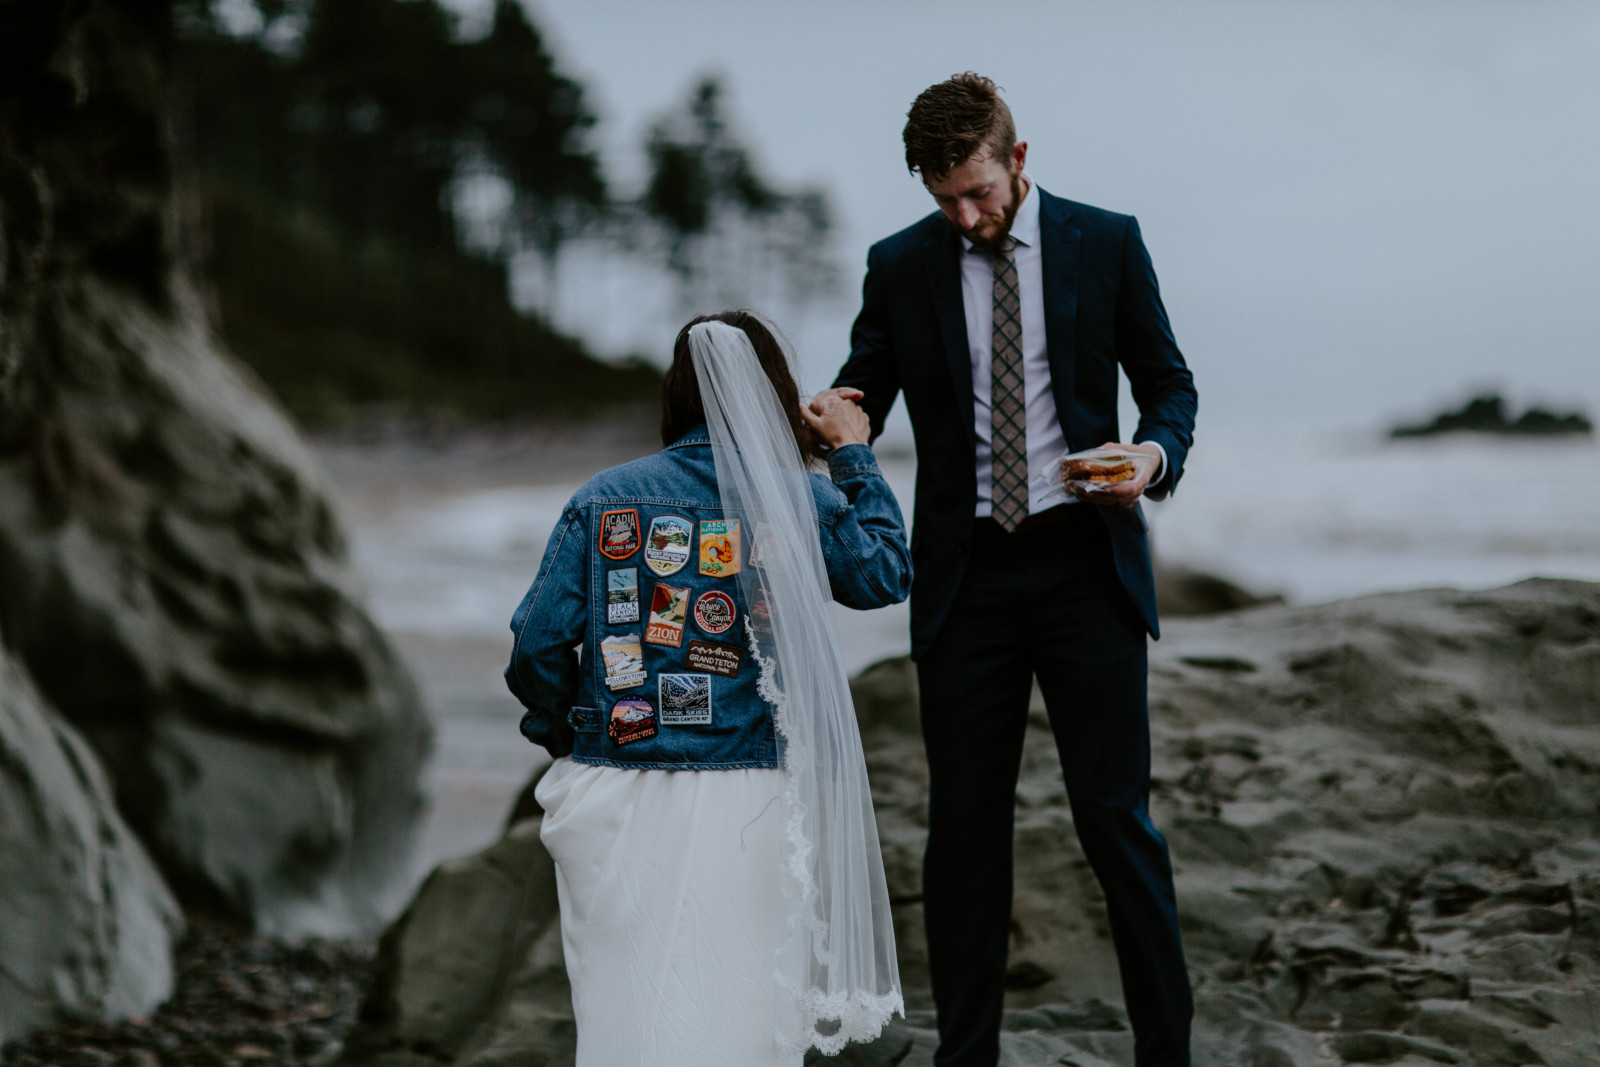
<point x="1003" y="318"/>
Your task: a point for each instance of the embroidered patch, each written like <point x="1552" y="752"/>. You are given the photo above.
<point x="713" y="658"/>
<point x="623" y="657"/>
<point x="632" y="719"/>
<point x="719" y="547"/>
<point x="622" y="595"/>
<point x="761" y="540"/>
<point x="713" y="612"/>
<point x="619" y="534"/>
<point x="685" y="700"/>
<point x="669" y="608"/>
<point x="666" y="549"/>
<point x="760" y="616"/>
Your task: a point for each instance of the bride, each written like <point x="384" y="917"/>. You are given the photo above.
<point x="721" y="889"/>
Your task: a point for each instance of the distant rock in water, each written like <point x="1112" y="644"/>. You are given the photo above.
<point x="1384" y="816"/>
<point x="172" y="573"/>
<point x="1487" y="414"/>
<point x="1182" y="592"/>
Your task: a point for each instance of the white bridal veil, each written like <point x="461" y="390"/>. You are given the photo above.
<point x="837" y="974"/>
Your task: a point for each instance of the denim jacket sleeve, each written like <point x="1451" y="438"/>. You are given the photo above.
<point x="863" y="534"/>
<point x="547" y="627"/>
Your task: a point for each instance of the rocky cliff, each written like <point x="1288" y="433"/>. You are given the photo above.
<point x="172" y="575"/>
<point x="89" y="925"/>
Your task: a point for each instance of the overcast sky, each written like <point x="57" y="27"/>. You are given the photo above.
<point x="1357" y="210"/>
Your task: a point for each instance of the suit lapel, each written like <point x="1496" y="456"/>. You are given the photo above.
<point x="1061" y="246"/>
<point x="943" y="261"/>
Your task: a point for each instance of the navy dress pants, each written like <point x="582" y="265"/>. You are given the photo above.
<point x="1043" y="602"/>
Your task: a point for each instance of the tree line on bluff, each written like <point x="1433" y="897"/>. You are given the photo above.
<point x="328" y="147"/>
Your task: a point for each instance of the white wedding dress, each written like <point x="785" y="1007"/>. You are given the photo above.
<point x="671" y="912"/>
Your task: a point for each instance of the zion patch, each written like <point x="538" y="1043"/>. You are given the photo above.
<point x="685" y="699"/>
<point x="669" y="609"/>
<point x="632" y="719"/>
<point x="623" y="657"/>
<point x="622" y="595"/>
<point x="666" y="550"/>
<point x="714" y="612"/>
<point x="719" y="547"/>
<point x="619" y="534"/>
<point x="714" y="658"/>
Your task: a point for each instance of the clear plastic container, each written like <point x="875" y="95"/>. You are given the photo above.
<point x="1094" y="470"/>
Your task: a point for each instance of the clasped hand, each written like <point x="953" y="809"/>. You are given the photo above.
<point x="836" y="417"/>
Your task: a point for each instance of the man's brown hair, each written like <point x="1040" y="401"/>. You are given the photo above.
<point x="953" y="121"/>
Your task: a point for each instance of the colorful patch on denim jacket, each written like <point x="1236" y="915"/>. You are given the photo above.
<point x="714" y="658"/>
<point x="714" y="612"/>
<point x="685" y="699"/>
<point x="619" y="534"/>
<point x="669" y="545"/>
<point x="623" y="657"/>
<point x="719" y="547"/>
<point x="622" y="595"/>
<point x="669" y="609"/>
<point x="759" y="618"/>
<point x="632" y="719"/>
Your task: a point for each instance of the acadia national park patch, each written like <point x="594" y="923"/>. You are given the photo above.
<point x="619" y="534"/>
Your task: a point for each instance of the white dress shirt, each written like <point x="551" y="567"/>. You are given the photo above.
<point x="1045" y="439"/>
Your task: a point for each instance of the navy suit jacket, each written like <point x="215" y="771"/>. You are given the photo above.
<point x="1102" y="309"/>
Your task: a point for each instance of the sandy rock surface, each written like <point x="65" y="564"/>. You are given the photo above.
<point x="89" y="925"/>
<point x="1382" y="813"/>
<point x="171" y="571"/>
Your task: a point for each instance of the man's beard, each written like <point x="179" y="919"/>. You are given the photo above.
<point x="1007" y="217"/>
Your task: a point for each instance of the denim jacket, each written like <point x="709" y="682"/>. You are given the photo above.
<point x="642" y="572"/>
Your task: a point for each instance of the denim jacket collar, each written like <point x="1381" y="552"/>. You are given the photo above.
<point x="695" y="435"/>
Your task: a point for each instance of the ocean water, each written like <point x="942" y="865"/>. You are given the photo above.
<point x="1323" y="515"/>
<point x="1312" y="516"/>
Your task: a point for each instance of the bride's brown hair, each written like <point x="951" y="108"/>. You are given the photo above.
<point x="681" y="409"/>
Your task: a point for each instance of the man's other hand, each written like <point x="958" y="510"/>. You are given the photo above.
<point x="1124" y="494"/>
<point x="840" y="392"/>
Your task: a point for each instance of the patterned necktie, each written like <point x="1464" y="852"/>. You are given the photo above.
<point x="1008" y="417"/>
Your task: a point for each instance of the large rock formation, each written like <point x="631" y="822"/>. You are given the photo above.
<point x="473" y="973"/>
<point x="88" y="924"/>
<point x="170" y="569"/>
<point x="1383" y="814"/>
<point x="1383" y="818"/>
